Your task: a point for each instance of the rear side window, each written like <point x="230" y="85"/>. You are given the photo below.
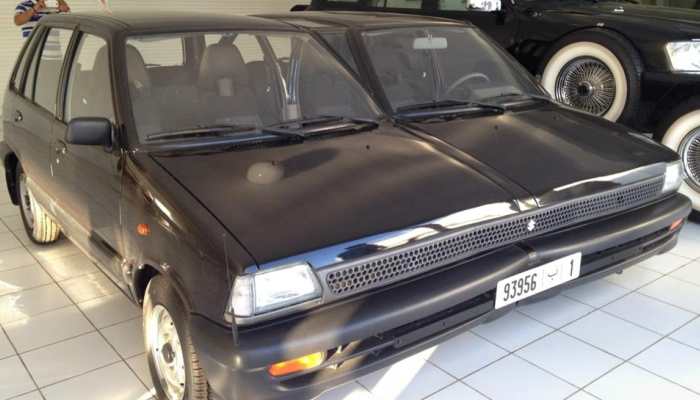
<point x="22" y="63"/>
<point x="409" y="4"/>
<point x="89" y="91"/>
<point x="469" y="5"/>
<point x="338" y="41"/>
<point x="48" y="71"/>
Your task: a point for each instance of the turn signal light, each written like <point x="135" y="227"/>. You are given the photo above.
<point x="143" y="229"/>
<point x="676" y="225"/>
<point x="298" y="364"/>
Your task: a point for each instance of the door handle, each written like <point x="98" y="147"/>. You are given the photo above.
<point x="18" y="116"/>
<point x="60" y="150"/>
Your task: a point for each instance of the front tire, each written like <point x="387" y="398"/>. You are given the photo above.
<point x="683" y="136"/>
<point x="40" y="227"/>
<point x="172" y="359"/>
<point x="596" y="72"/>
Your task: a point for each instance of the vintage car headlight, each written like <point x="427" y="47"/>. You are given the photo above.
<point x="266" y="291"/>
<point x="674" y="177"/>
<point x="684" y="56"/>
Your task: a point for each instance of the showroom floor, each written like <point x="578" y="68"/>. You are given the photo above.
<point x="68" y="333"/>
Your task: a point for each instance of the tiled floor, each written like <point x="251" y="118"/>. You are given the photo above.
<point x="69" y="334"/>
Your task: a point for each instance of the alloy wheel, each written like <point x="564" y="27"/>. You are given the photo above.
<point x="587" y="84"/>
<point x="167" y="353"/>
<point x="26" y="201"/>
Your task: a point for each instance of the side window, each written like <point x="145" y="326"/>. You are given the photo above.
<point x="246" y="43"/>
<point x="409" y="4"/>
<point x="49" y="68"/>
<point x="89" y="91"/>
<point x="29" y="83"/>
<point x="281" y="46"/>
<point x="22" y="63"/>
<point x="338" y="41"/>
<point x="159" y="51"/>
<point x="470" y="5"/>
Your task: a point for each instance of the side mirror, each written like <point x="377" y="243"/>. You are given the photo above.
<point x="90" y="132"/>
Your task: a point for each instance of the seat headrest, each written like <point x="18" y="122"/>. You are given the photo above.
<point x="136" y="69"/>
<point x="223" y="61"/>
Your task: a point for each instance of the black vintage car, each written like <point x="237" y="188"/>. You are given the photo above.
<point x="281" y="233"/>
<point x="631" y="63"/>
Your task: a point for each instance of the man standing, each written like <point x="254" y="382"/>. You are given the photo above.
<point x="29" y="12"/>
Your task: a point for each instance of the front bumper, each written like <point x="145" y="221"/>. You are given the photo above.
<point x="377" y="329"/>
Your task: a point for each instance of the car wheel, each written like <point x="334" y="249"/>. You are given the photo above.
<point x="40" y="227"/>
<point x="172" y="359"/>
<point x="683" y="136"/>
<point x="596" y="72"/>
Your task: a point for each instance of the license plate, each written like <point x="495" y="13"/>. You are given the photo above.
<point x="537" y="280"/>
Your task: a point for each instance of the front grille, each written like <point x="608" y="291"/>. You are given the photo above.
<point x="385" y="268"/>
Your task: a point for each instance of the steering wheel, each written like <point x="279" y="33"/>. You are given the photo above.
<point x="461" y="81"/>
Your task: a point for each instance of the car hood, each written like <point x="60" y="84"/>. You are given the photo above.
<point x="280" y="201"/>
<point x="643" y="13"/>
<point x="548" y="148"/>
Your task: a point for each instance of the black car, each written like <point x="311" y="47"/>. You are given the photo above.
<point x="284" y="236"/>
<point x="630" y="63"/>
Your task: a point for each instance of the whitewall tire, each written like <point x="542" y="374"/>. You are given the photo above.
<point x="589" y="77"/>
<point x="683" y="136"/>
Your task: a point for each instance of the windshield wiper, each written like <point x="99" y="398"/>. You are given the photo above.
<point x="307" y="127"/>
<point x="216" y="130"/>
<point x="525" y="96"/>
<point x="439" y="104"/>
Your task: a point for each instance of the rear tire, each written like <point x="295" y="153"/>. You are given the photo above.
<point x="683" y="135"/>
<point x="595" y="71"/>
<point x="40" y="227"/>
<point x="172" y="358"/>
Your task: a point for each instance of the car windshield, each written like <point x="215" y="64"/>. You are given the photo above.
<point x="443" y="65"/>
<point x="236" y="83"/>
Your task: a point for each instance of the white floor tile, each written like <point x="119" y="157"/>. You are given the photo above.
<point x="14" y="379"/>
<point x="348" y="391"/>
<point x="457" y="391"/>
<point x="62" y="248"/>
<point x="110" y="310"/>
<point x="8" y="210"/>
<point x="47" y="328"/>
<point x="115" y="382"/>
<point x="15" y="258"/>
<point x="513" y="378"/>
<point x="664" y="263"/>
<point x="582" y="396"/>
<point x="6" y="349"/>
<point x="139" y="365"/>
<point x="23" y="278"/>
<point x="688" y="242"/>
<point x="689" y="273"/>
<point x="13" y="223"/>
<point x="126" y="337"/>
<point x="8" y="241"/>
<point x="557" y="311"/>
<point x="67" y="359"/>
<point x="411" y="378"/>
<point x="679" y="293"/>
<point x="689" y="334"/>
<point x="673" y="361"/>
<point x="633" y="278"/>
<point x="464" y="354"/>
<point x="512" y="331"/>
<point x="62" y="268"/>
<point x="652" y="314"/>
<point x="612" y="334"/>
<point x="88" y="287"/>
<point x="629" y="382"/>
<point x="597" y="293"/>
<point x="31" y="302"/>
<point x="29" y="396"/>
<point x="554" y="353"/>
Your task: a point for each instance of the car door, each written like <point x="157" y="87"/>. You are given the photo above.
<point x="35" y="112"/>
<point x="495" y="17"/>
<point x="89" y="176"/>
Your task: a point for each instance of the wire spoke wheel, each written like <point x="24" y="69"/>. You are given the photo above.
<point x="587" y="84"/>
<point x="167" y="353"/>
<point x="690" y="154"/>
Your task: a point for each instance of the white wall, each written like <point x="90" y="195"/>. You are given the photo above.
<point x="11" y="42"/>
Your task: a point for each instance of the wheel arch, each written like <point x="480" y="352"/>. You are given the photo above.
<point x="11" y="162"/>
<point x="145" y="272"/>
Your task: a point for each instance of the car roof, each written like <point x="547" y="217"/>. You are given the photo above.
<point x="166" y="21"/>
<point x="359" y="19"/>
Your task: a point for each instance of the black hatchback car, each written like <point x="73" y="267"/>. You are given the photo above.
<point x="282" y="235"/>
<point x="631" y="63"/>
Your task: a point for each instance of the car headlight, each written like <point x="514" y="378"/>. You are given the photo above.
<point x="673" y="178"/>
<point x="278" y="288"/>
<point x="684" y="56"/>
